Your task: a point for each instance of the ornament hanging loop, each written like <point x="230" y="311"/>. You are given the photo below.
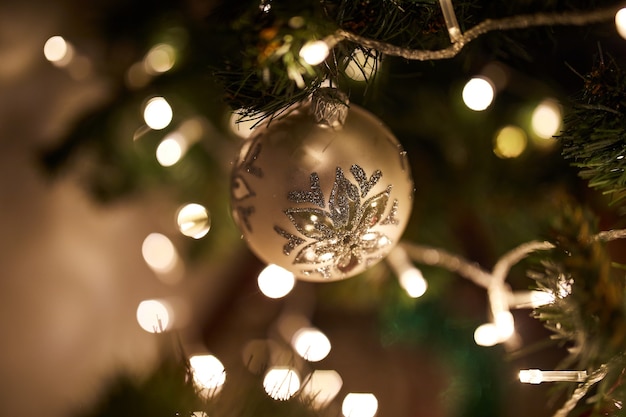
<point x="329" y="107"/>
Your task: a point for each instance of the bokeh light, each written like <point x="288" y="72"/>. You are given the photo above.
<point x="193" y="220"/>
<point x="478" y="93"/>
<point x="314" y="52"/>
<point x="620" y="22"/>
<point x="242" y="128"/>
<point x="321" y="387"/>
<point x="157" y="113"/>
<point x="486" y="335"/>
<point x="510" y="142"/>
<point x="154" y="316"/>
<point x="160" y="58"/>
<point x="171" y="149"/>
<point x="359" y="405"/>
<point x="546" y="119"/>
<point x="361" y="67"/>
<point x="275" y="281"/>
<point x="58" y="51"/>
<point x="311" y="344"/>
<point x="413" y="282"/>
<point x="281" y="383"/>
<point x="159" y="253"/>
<point x="208" y="373"/>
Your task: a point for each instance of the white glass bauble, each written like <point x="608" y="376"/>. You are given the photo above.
<point x="323" y="202"/>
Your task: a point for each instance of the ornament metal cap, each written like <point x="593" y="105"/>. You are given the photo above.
<point x="329" y="106"/>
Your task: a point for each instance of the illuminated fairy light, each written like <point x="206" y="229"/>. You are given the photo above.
<point x="314" y="52"/>
<point x="281" y="383"/>
<point x="530" y="299"/>
<point x="486" y="335"/>
<point x="58" y="51"/>
<point x="275" y="281"/>
<point x="160" y="58"/>
<point x="193" y="220"/>
<point x="241" y="128"/>
<point x="311" y="344"/>
<point x="154" y="316"/>
<point x="361" y="67"/>
<point x="620" y="22"/>
<point x="171" y="149"/>
<point x="321" y="387"/>
<point x="157" y="113"/>
<point x="546" y="119"/>
<point x="505" y="325"/>
<point x="510" y="142"/>
<point x="359" y="405"/>
<point x="159" y="253"/>
<point x="410" y="277"/>
<point x="208" y="373"/>
<point x="536" y="376"/>
<point x="478" y="93"/>
<point x="199" y="414"/>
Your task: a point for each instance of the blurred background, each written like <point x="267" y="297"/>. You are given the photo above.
<point x="89" y="226"/>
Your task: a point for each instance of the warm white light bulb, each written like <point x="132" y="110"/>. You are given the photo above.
<point x="208" y="373"/>
<point x="281" y="383"/>
<point x="510" y="142"/>
<point x="154" y="316"/>
<point x="311" y="344"/>
<point x="158" y="113"/>
<point x="171" y="149"/>
<point x="321" y="387"/>
<point x="275" y="281"/>
<point x="546" y="119"/>
<point x="314" y="52"/>
<point x="413" y="282"/>
<point x="193" y="220"/>
<point x="159" y="253"/>
<point x="486" y="335"/>
<point x="160" y="58"/>
<point x="359" y="405"/>
<point x="478" y="93"/>
<point x="620" y="22"/>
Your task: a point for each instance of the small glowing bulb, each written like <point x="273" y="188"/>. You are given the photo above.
<point x="413" y="282"/>
<point x="160" y="58"/>
<point x="314" y="52"/>
<point x="505" y="325"/>
<point x="620" y="22"/>
<point x="58" y="51"/>
<point x="359" y="405"/>
<point x="159" y="253"/>
<point x="510" y="142"/>
<point x="154" y="316"/>
<point x="478" y="93"/>
<point x="486" y="335"/>
<point x="193" y="220"/>
<point x="241" y="128"/>
<point x="281" y="383"/>
<point x="321" y="387"/>
<point x="157" y="114"/>
<point x="361" y="67"/>
<point x="311" y="344"/>
<point x="170" y="150"/>
<point x="208" y="373"/>
<point x="546" y="119"/>
<point x="275" y="281"/>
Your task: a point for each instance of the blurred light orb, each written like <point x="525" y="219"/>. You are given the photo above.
<point x="281" y="383"/>
<point x="170" y="150"/>
<point x="510" y="142"/>
<point x="160" y="58"/>
<point x="321" y="387"/>
<point x="361" y="67"/>
<point x="154" y="316"/>
<point x="478" y="93"/>
<point x="314" y="52"/>
<point x="199" y="414"/>
<point x="359" y="405"/>
<point x="505" y="325"/>
<point x="620" y="22"/>
<point x="193" y="220"/>
<point x="275" y="281"/>
<point x="208" y="373"/>
<point x="159" y="253"/>
<point x="242" y="128"/>
<point x="546" y="119"/>
<point x="311" y="344"/>
<point x="413" y="282"/>
<point x="158" y="113"/>
<point x="486" y="335"/>
<point x="58" y="51"/>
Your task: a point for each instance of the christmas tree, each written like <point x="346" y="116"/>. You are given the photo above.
<point x="438" y="187"/>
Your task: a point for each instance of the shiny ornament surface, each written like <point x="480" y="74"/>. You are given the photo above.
<point x="323" y="202"/>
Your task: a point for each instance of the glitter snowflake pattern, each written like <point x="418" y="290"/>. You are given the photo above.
<point x="343" y="236"/>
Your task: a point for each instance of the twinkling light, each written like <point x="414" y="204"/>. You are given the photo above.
<point x="359" y="405"/>
<point x="361" y="67"/>
<point x="58" y="51"/>
<point x="413" y="282"/>
<point x="510" y="142"/>
<point x="311" y="344"/>
<point x="157" y="113"/>
<point x="537" y="376"/>
<point x="171" y="149"/>
<point x="314" y="52"/>
<point x="160" y="58"/>
<point x="193" y="220"/>
<point x="620" y="22"/>
<point x="159" y="253"/>
<point x="546" y="119"/>
<point x="486" y="335"/>
<point x="478" y="93"/>
<point x="154" y="316"/>
<point x="275" y="282"/>
<point x="199" y="414"/>
<point x="281" y="383"/>
<point x="505" y="325"/>
<point x="241" y="128"/>
<point x="208" y="373"/>
<point x="321" y="387"/>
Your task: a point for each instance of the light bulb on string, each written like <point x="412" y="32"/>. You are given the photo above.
<point x="620" y="22"/>
<point x="193" y="220"/>
<point x="275" y="281"/>
<point x="208" y="373"/>
<point x="154" y="316"/>
<point x="157" y="113"/>
<point x="281" y="383"/>
<point x="58" y="51"/>
<point x="314" y="52"/>
<point x="359" y="405"/>
<point x="311" y="344"/>
<point x="321" y="387"/>
<point x="546" y="119"/>
<point x="478" y="93"/>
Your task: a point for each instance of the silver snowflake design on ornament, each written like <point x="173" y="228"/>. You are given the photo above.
<point x="343" y="236"/>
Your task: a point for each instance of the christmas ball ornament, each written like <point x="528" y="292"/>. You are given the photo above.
<point x="324" y="192"/>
